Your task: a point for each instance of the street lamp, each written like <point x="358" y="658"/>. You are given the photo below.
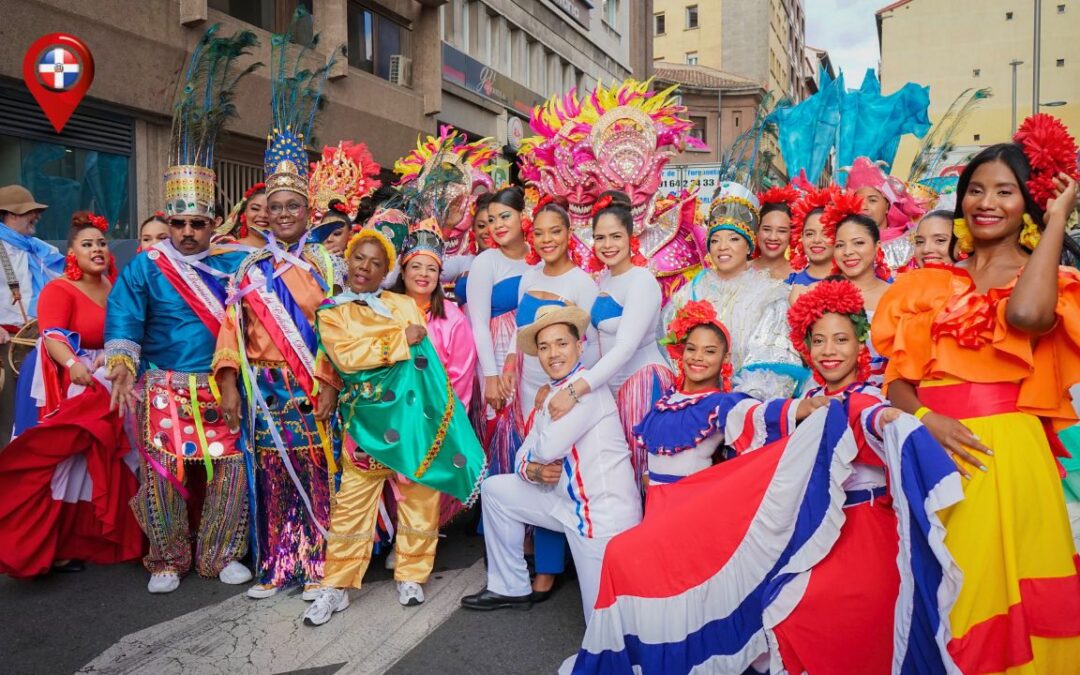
<point x="1053" y="104"/>
<point x="1035" y="58"/>
<point x="1014" y="63"/>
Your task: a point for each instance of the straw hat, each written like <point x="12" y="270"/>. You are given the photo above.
<point x="549" y="315"/>
<point x="18" y="200"/>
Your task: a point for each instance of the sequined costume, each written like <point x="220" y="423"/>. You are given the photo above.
<point x="162" y="320"/>
<point x="618" y="139"/>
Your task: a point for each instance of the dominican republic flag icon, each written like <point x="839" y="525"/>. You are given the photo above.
<point x="58" y="69"/>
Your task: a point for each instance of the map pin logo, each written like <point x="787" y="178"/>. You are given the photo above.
<point x="58" y="70"/>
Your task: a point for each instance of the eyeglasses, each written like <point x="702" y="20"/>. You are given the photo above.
<point x="197" y="225"/>
<point x="293" y="208"/>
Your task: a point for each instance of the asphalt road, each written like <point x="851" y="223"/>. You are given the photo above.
<point x="60" y="623"/>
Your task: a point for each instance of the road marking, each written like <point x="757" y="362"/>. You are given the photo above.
<point x="240" y="635"/>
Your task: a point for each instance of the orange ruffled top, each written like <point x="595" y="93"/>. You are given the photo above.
<point x="933" y="324"/>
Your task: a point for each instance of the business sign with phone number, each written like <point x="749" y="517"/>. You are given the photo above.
<point x="706" y="177"/>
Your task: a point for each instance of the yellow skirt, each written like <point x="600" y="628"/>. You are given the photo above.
<point x="1018" y="610"/>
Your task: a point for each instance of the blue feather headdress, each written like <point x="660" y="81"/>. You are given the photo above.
<point x="296" y="93"/>
<point x="203" y="107"/>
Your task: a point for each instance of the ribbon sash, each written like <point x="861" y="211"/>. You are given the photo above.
<point x="203" y="293"/>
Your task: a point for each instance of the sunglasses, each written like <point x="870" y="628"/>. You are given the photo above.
<point x="197" y="225"/>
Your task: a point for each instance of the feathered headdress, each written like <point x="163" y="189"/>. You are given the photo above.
<point x="780" y="194"/>
<point x="844" y="203"/>
<point x="938" y="143"/>
<point x="203" y="107"/>
<point x="829" y="297"/>
<point x="388" y="227"/>
<point x="734" y="207"/>
<point x="424" y="238"/>
<point x="800" y="211"/>
<point x="295" y="94"/>
<point x="346" y="173"/>
<point x="904" y="210"/>
<point x="1050" y="150"/>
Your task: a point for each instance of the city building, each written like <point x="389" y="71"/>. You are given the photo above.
<point x="410" y="65"/>
<point x="762" y="41"/>
<point x="973" y="44"/>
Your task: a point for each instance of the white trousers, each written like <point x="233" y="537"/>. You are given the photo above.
<point x="509" y="504"/>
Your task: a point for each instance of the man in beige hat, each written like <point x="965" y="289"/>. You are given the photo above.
<point x="26" y="265"/>
<point x="573" y="474"/>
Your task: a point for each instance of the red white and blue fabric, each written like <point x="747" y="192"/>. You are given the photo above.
<point x="201" y="287"/>
<point x="705" y="600"/>
<point x="58" y="69"/>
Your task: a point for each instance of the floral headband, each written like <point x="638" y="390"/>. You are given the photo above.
<point x="691" y="315"/>
<point x="826" y="297"/>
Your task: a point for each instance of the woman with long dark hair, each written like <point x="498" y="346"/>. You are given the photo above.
<point x="983" y="353"/>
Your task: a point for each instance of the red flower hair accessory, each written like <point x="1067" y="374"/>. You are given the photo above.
<point x="844" y="204"/>
<point x="691" y="315"/>
<point x="160" y="215"/>
<point x="601" y="204"/>
<point x="341" y="207"/>
<point x="532" y="257"/>
<point x="800" y="211"/>
<point x="99" y="222"/>
<point x="1051" y="150"/>
<point x="781" y="194"/>
<point x="829" y="297"/>
<point x="254" y="189"/>
<point x="541" y="203"/>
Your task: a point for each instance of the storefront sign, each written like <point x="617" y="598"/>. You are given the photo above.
<point x="463" y="70"/>
<point x="578" y="10"/>
<point x="705" y="177"/>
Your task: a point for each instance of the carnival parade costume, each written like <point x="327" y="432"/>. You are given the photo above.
<point x="162" y="323"/>
<point x="268" y="339"/>
<point x="401" y="416"/>
<point x="752" y="306"/>
<point x="802" y="551"/>
<point x="618" y="139"/>
<point x="65" y="484"/>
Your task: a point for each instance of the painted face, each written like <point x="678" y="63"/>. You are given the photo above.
<point x="611" y="241"/>
<point x="288" y="215"/>
<point x="874" y="205"/>
<point x="729" y="252"/>
<point x="421" y="276"/>
<point x="335" y="242"/>
<point x="91" y="251"/>
<point x="505" y="224"/>
<point x="774" y="234"/>
<point x="153" y="232"/>
<point x="817" y="246"/>
<point x="834" y="350"/>
<point x="480" y="229"/>
<point x="703" y="356"/>
<point x="255" y="211"/>
<point x="558" y="350"/>
<point x="367" y="266"/>
<point x="190" y="234"/>
<point x="932" y="239"/>
<point x="551" y="237"/>
<point x="993" y="204"/>
<point x="854" y="250"/>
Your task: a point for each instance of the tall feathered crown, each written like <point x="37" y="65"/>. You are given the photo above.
<point x="346" y="173"/>
<point x="295" y="94"/>
<point x="203" y="107"/>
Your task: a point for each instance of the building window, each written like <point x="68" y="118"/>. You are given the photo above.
<point x="691" y="17"/>
<point x="700" y="130"/>
<point x="1061" y="9"/>
<point x="976" y="72"/>
<point x="660" y="24"/>
<point x="271" y="15"/>
<point x="978" y="137"/>
<point x="691" y="58"/>
<point x="737" y="118"/>
<point x="1008" y="16"/>
<point x="374" y="39"/>
<point x="1061" y="63"/>
<point x="611" y="12"/>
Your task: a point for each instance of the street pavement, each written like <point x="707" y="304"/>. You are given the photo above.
<point x="103" y="622"/>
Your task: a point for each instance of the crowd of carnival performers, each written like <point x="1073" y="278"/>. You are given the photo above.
<point x="813" y="427"/>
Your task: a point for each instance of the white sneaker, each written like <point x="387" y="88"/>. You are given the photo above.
<point x="330" y="601"/>
<point x="391" y="560"/>
<point x="410" y="593"/>
<point x="234" y="573"/>
<point x="311" y="591"/>
<point x="262" y="591"/>
<point x="163" y="582"/>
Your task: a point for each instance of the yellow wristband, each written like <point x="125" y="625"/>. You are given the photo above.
<point x="921" y="412"/>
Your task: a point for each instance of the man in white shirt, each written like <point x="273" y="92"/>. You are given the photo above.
<point x="574" y="474"/>
<point x="26" y="265"/>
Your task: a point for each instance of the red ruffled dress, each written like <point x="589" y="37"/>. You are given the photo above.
<point x="64" y="485"/>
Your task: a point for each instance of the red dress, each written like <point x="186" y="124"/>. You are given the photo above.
<point x="64" y="486"/>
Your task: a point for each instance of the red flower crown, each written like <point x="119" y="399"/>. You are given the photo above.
<point x="1051" y="150"/>
<point x="781" y="194"/>
<point x="844" y="204"/>
<point x="800" y="211"/>
<point x="829" y="297"/>
<point x="691" y="315"/>
<point x="99" y="222"/>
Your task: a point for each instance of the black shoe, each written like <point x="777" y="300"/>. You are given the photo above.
<point x="541" y="596"/>
<point x="486" y="601"/>
<point x="70" y="567"/>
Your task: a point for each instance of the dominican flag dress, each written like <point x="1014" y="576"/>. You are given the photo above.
<point x="767" y="560"/>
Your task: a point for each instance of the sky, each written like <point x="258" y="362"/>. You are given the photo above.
<point x="847" y="29"/>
